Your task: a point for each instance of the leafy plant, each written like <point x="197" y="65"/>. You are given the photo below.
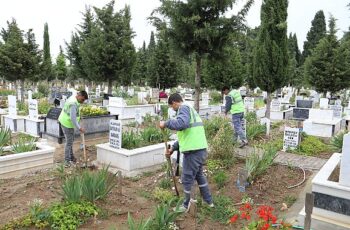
<point x="22" y="146"/>
<point x="224" y="208"/>
<point x="43" y="89"/>
<point x="255" y="130"/>
<point x="38" y="95"/>
<point x="256" y="165"/>
<point x="162" y="195"/>
<point x="44" y="106"/>
<point x="311" y="146"/>
<point x="5" y="136"/>
<point x="259" y="103"/>
<point x="213" y="166"/>
<point x="96" y="185"/>
<point x="337" y="142"/>
<point x="216" y="97"/>
<point x="6" y="92"/>
<point x="213" y="125"/>
<point x="154" y="135"/>
<point x="164" y="216"/>
<point x="220" y="179"/>
<point x="92" y="111"/>
<point x="132" y="101"/>
<point x="142" y="225"/>
<point x="72" y="189"/>
<point x="23" y="107"/>
<point x="165" y="183"/>
<point x="70" y="215"/>
<point x="131" y="140"/>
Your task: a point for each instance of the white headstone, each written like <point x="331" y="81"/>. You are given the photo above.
<point x="249" y="103"/>
<point x="337" y="110"/>
<point x="87" y="89"/>
<point x="116" y="101"/>
<point x="267" y="122"/>
<point x="344" y="178"/>
<point x="115" y="134"/>
<point x="30" y="95"/>
<point x="264" y="94"/>
<point x="10" y="86"/>
<point x="275" y="105"/>
<point x="138" y="116"/>
<point x="98" y="91"/>
<point x="188" y="96"/>
<point x="205" y="99"/>
<point x="131" y="92"/>
<point x="19" y="92"/>
<point x="33" y="109"/>
<point x="291" y="138"/>
<point x="155" y="93"/>
<point x="141" y="97"/>
<point x="323" y="103"/>
<point x="12" y="101"/>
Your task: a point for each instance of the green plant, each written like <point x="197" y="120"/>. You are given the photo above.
<point x="154" y="135"/>
<point x="164" y="216"/>
<point x="251" y="117"/>
<point x="213" y="166"/>
<point x="255" y="130"/>
<point x="72" y="189"/>
<point x="92" y="111"/>
<point x="44" y="106"/>
<point x="337" y="142"/>
<point x="289" y="200"/>
<point x="131" y="140"/>
<point x="213" y="125"/>
<point x="5" y="136"/>
<point x="256" y="165"/>
<point x="70" y="215"/>
<point x="132" y="101"/>
<point x="59" y="171"/>
<point x="22" y="145"/>
<point x="6" y="92"/>
<point x="216" y="97"/>
<point x="23" y="107"/>
<point x="259" y="103"/>
<point x="142" y="225"/>
<point x="38" y="95"/>
<point x="43" y="89"/>
<point x="220" y="178"/>
<point x="311" y="146"/>
<point x="222" y="146"/>
<point x="165" y="183"/>
<point x="162" y="195"/>
<point x="164" y="111"/>
<point x="224" y="208"/>
<point x="96" y="185"/>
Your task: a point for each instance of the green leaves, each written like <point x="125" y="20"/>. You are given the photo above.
<point x="24" y="145"/>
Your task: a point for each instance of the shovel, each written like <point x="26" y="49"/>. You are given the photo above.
<point x="84" y="149"/>
<point x="169" y="164"/>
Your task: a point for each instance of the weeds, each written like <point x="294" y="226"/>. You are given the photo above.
<point x="220" y="179"/>
<point x="142" y="225"/>
<point x="337" y="142"/>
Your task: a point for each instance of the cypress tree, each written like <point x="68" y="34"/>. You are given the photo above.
<point x="315" y="34"/>
<point x="47" y="70"/>
<point x="271" y="52"/>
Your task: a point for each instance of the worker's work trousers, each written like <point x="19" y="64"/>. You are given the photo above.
<point x="192" y="169"/>
<point x="68" y="147"/>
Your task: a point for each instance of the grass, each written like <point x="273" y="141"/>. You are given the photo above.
<point x="289" y="200"/>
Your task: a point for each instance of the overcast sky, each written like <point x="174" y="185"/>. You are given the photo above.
<point x="63" y="16"/>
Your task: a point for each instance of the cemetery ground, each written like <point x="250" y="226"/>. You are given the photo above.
<point x="140" y="195"/>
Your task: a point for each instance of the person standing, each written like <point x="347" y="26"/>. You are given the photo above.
<point x="69" y="119"/>
<point x="193" y="144"/>
<point x="234" y="105"/>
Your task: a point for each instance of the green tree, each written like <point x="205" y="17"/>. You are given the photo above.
<point x="271" y="52"/>
<point x="295" y="77"/>
<point x="228" y="71"/>
<point x="315" y="34"/>
<point x="19" y="55"/>
<point x="327" y="67"/>
<point x="46" y="67"/>
<point x="200" y="28"/>
<point x="108" y="53"/>
<point x="61" y="68"/>
<point x="140" y="68"/>
<point x="151" y="60"/>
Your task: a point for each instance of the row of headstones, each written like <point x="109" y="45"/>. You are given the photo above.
<point x="32" y="107"/>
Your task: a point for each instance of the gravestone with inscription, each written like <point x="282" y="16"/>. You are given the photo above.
<point x="291" y="138"/>
<point x="33" y="125"/>
<point x="275" y="105"/>
<point x="115" y="134"/>
<point x="324" y="103"/>
<point x="337" y="111"/>
<point x="249" y="103"/>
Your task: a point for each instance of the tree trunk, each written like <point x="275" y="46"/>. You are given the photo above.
<point x="110" y="85"/>
<point x="22" y="91"/>
<point x="268" y="105"/>
<point x="197" y="82"/>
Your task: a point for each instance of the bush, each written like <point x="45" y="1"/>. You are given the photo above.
<point x="259" y="103"/>
<point x="220" y="179"/>
<point x="311" y="146"/>
<point x="213" y="125"/>
<point x="43" y="89"/>
<point x="216" y="97"/>
<point x="44" y="106"/>
<point x="162" y="195"/>
<point x="337" y="142"/>
<point x="92" y="111"/>
<point x="222" y="146"/>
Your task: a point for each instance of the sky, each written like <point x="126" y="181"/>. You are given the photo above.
<point x="63" y="16"/>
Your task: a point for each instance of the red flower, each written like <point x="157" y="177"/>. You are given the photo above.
<point x="265" y="227"/>
<point x="243" y="215"/>
<point x="233" y="219"/>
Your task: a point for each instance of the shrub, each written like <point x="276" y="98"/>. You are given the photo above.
<point x="213" y="125"/>
<point x="220" y="179"/>
<point x="216" y="97"/>
<point x="22" y="145"/>
<point x="131" y="140"/>
<point x="43" y="89"/>
<point x="132" y="101"/>
<point x="311" y="146"/>
<point x="38" y="95"/>
<point x="222" y="146"/>
<point x="162" y="195"/>
<point x="259" y="103"/>
<point x="337" y="142"/>
<point x="92" y="111"/>
<point x="213" y="166"/>
<point x="256" y="165"/>
<point x="44" y="106"/>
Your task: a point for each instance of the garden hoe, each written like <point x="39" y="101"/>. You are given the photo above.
<point x="169" y="163"/>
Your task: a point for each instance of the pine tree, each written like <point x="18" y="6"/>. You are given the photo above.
<point x="47" y="70"/>
<point x="200" y="28"/>
<point x="327" y="67"/>
<point x="61" y="68"/>
<point x="271" y="52"/>
<point x="315" y="34"/>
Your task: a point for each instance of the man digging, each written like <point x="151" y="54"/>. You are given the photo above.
<point x="193" y="144"/>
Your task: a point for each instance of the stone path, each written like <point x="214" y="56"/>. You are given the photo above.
<point x="305" y="162"/>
